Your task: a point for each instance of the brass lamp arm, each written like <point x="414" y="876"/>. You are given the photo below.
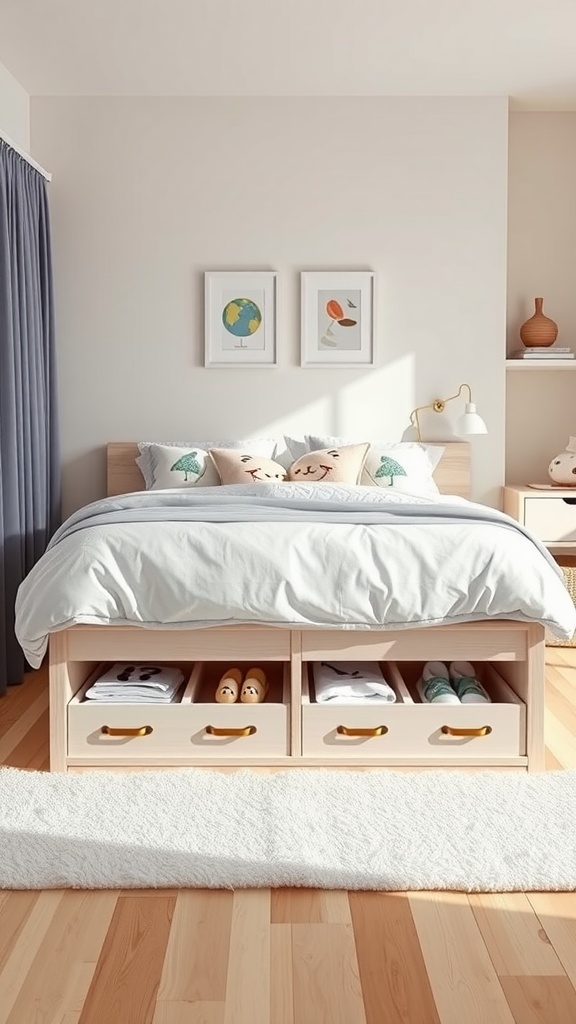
<point x="415" y="421"/>
<point x="438" y="405"/>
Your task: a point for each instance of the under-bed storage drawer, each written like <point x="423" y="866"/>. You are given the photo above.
<point x="410" y="728"/>
<point x="196" y="727"/>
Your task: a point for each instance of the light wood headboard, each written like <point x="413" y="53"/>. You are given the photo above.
<point x="452" y="472"/>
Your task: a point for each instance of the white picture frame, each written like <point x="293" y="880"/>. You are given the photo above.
<point x="240" y="318"/>
<point x="337" y="318"/>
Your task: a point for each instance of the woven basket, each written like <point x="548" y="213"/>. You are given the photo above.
<point x="570" y="581"/>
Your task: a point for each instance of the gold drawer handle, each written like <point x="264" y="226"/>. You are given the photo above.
<point x="484" y="730"/>
<point x="378" y="730"/>
<point x="144" y="730"/>
<point x="248" y="730"/>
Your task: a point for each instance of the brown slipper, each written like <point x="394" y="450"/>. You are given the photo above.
<point x="229" y="687"/>
<point x="254" y="687"/>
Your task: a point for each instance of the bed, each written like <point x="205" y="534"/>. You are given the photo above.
<point x="399" y="624"/>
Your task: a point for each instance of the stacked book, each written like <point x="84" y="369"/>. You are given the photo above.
<point x="554" y="352"/>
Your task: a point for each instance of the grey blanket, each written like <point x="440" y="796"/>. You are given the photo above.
<point x="219" y="505"/>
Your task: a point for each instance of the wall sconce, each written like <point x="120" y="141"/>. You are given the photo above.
<point x="468" y="423"/>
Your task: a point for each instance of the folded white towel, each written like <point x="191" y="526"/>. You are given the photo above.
<point x="122" y="695"/>
<point x="134" y="684"/>
<point x="351" y="682"/>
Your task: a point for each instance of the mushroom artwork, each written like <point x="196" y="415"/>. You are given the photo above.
<point x="336" y="313"/>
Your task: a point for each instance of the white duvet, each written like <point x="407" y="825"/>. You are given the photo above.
<point x="288" y="555"/>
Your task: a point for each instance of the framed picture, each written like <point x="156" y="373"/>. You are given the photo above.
<point x="240" y="318"/>
<point x="337" y="318"/>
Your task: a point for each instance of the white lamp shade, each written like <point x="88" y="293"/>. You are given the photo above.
<point x="470" y="422"/>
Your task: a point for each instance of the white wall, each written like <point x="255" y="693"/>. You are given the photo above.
<point x="541" y="405"/>
<point x="14" y="109"/>
<point x="148" y="193"/>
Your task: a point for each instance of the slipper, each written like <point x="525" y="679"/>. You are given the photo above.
<point x="434" y="685"/>
<point x="254" y="687"/>
<point x="229" y="687"/>
<point x="464" y="681"/>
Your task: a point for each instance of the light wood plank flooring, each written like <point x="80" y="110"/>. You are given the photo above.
<point x="285" y="956"/>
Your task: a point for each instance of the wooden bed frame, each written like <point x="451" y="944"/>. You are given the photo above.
<point x="513" y="651"/>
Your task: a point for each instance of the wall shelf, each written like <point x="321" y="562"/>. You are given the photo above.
<point x="541" y="364"/>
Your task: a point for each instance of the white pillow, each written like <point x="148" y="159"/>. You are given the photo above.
<point x="291" y="449"/>
<point x="410" y="463"/>
<point x="157" y="461"/>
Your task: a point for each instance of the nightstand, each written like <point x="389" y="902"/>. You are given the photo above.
<point x="549" y="514"/>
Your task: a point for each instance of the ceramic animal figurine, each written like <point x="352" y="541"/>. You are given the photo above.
<point x="562" y="469"/>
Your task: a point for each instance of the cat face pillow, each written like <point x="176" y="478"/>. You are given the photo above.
<point x="237" y="467"/>
<point x="330" y="465"/>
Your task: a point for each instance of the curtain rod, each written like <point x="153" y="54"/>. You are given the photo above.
<point x="25" y="156"/>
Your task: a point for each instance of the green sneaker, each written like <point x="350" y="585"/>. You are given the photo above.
<point x="434" y="686"/>
<point x="464" y="681"/>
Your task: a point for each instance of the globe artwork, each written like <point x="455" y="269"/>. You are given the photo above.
<point x="241" y="318"/>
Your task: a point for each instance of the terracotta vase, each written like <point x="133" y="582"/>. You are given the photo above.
<point x="539" y="331"/>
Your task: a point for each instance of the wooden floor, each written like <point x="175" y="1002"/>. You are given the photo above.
<point x="286" y="956"/>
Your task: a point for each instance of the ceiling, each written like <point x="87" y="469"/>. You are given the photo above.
<point x="525" y="49"/>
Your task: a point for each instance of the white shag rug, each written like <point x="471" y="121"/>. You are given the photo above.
<point x="478" y="831"/>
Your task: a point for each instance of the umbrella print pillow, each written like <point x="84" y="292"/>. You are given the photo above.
<point x="182" y="467"/>
<point x="403" y="466"/>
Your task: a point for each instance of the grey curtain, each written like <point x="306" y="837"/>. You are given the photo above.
<point x="29" y="455"/>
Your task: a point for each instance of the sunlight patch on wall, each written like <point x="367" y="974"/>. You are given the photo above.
<point x="316" y="415"/>
<point x="378" y="405"/>
<point x="374" y="404"/>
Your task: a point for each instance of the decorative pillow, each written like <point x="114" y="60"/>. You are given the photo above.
<point x="406" y="465"/>
<point x="238" y="467"/>
<point x="408" y="470"/>
<point x="333" y="465"/>
<point x="156" y="460"/>
<point x="171" y="466"/>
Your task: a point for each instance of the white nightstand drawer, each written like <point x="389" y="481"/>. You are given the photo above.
<point x="551" y="519"/>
